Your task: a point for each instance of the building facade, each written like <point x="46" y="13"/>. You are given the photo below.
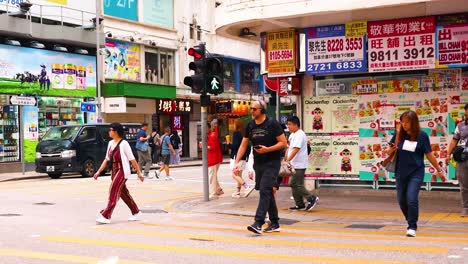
<point x="360" y="65"/>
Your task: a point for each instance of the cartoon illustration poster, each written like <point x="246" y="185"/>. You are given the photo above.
<point x="122" y="60"/>
<point x="376" y="115"/>
<point x="439" y="146"/>
<point x="344" y="115"/>
<point x="371" y="152"/>
<point x="318" y="115"/>
<point x="345" y="158"/>
<point x="434" y="110"/>
<point x="319" y="157"/>
<point x="456" y="110"/>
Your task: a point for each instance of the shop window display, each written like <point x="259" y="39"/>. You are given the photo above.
<point x="159" y="67"/>
<point x="9" y="133"/>
<point x="229" y="76"/>
<point x="57" y="112"/>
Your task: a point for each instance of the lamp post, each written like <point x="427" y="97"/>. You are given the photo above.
<point x="98" y="60"/>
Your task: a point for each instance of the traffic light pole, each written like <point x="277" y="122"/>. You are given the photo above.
<point x="205" y="102"/>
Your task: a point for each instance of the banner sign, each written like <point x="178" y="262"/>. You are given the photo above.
<point x="47" y="73"/>
<point x="330" y="51"/>
<point x="402" y="44"/>
<point x="452" y="46"/>
<point x="281" y="53"/>
<point x="169" y="106"/>
<point x="127" y="9"/>
<point x="122" y="61"/>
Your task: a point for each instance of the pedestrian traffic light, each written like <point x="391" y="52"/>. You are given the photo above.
<point x="197" y="81"/>
<point x="214" y="75"/>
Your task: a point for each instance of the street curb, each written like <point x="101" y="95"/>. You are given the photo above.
<point x="20" y="178"/>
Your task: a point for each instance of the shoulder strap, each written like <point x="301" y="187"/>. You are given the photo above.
<point x="118" y="144"/>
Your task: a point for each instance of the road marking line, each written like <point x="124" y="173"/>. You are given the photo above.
<point x="442" y="229"/>
<point x="165" y="199"/>
<point x="318" y="244"/>
<point x="352" y="231"/>
<point x="58" y="257"/>
<point x="240" y="229"/>
<point x="218" y="252"/>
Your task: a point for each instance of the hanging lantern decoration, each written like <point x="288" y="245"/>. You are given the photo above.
<point x="234" y="107"/>
<point x="244" y="108"/>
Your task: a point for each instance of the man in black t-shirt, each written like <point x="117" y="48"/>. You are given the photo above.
<point x="267" y="138"/>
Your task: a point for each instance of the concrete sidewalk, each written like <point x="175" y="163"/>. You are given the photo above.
<point x="17" y="176"/>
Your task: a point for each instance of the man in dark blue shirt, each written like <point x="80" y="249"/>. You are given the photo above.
<point x="143" y="150"/>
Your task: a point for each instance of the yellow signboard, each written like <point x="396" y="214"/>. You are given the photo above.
<point x="281" y="53"/>
<point x="61" y="2"/>
<point x="356" y="29"/>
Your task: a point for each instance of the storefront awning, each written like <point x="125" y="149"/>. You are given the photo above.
<point x="142" y="90"/>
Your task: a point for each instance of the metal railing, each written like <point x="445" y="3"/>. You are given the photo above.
<point x="52" y="14"/>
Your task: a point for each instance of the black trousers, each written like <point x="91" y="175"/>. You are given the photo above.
<point x="266" y="173"/>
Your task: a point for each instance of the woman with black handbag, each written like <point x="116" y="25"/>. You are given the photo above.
<point x="458" y="147"/>
<point x="412" y="145"/>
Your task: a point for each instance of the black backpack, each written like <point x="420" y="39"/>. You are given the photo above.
<point x="151" y="142"/>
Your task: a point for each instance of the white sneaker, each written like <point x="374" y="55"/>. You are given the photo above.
<point x="103" y="220"/>
<point x="135" y="216"/>
<point x="149" y="176"/>
<point x="411" y="233"/>
<point x="248" y="191"/>
<point x="169" y="178"/>
<point x="156" y="174"/>
<point x="236" y="195"/>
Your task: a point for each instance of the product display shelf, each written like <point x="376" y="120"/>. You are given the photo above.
<point x="9" y="134"/>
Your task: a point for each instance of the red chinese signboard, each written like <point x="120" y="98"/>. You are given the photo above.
<point x="177" y="122"/>
<point x="402" y="44"/>
<point x="452" y="46"/>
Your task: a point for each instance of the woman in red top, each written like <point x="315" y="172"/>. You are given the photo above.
<point x="215" y="158"/>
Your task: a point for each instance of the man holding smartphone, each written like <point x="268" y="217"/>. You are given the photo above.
<point x="268" y="139"/>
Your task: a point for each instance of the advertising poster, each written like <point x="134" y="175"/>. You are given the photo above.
<point x="464" y="81"/>
<point x="344" y="115"/>
<point x="319" y="157"/>
<point x="318" y="115"/>
<point x="376" y="115"/>
<point x="50" y="73"/>
<point x="371" y="152"/>
<point x="345" y="158"/>
<point x="334" y="87"/>
<point x="329" y="50"/>
<point x="439" y="146"/>
<point x="159" y="12"/>
<point x="433" y="121"/>
<point x="442" y="80"/>
<point x="401" y="44"/>
<point x="281" y="53"/>
<point x="30" y="128"/>
<point x="122" y="61"/>
<point x="452" y="46"/>
<point x="456" y="112"/>
<point x="369" y="86"/>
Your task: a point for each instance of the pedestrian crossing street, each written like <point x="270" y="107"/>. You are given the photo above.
<point x="200" y="236"/>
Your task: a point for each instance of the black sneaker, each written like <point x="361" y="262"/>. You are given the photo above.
<point x="312" y="203"/>
<point x="254" y="228"/>
<point x="297" y="208"/>
<point x="272" y="228"/>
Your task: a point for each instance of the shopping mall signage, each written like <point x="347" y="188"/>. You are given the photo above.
<point x="281" y="53"/>
<point x="402" y="44"/>
<point x="127" y="9"/>
<point x="46" y="73"/>
<point x="336" y="49"/>
<point x="170" y="106"/>
<point x="122" y="61"/>
<point x="159" y="13"/>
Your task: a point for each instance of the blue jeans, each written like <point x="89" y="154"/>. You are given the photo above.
<point x="266" y="173"/>
<point x="408" y="196"/>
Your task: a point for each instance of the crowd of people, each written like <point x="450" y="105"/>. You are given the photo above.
<point x="260" y="148"/>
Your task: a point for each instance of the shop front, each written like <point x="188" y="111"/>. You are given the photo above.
<point x="175" y="114"/>
<point x="58" y="82"/>
<point x="362" y="75"/>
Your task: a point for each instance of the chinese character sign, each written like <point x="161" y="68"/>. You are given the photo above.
<point x="452" y="46"/>
<point x="403" y="44"/>
<point x="281" y="53"/>
<point x="169" y="106"/>
<point x="177" y="122"/>
<point x="330" y="51"/>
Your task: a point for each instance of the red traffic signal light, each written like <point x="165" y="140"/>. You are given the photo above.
<point x="198" y="52"/>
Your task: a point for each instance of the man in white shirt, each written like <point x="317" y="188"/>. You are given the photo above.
<point x="298" y="157"/>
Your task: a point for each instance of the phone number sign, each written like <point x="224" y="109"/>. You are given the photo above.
<point x="452" y="46"/>
<point x="281" y="53"/>
<point x="330" y="51"/>
<point x="403" y="44"/>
